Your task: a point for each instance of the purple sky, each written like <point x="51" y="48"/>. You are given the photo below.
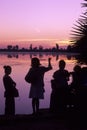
<point x="30" y="20"/>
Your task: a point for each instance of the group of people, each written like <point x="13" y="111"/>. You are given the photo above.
<point x="69" y="96"/>
<point x="62" y="94"/>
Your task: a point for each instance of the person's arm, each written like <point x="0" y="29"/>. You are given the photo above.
<point x="49" y="63"/>
<point x="45" y="69"/>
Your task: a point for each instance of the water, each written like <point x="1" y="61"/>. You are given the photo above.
<point x="20" y="63"/>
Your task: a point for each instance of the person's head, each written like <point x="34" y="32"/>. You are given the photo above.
<point x="77" y="68"/>
<point x="35" y="62"/>
<point x="62" y="64"/>
<point x="7" y="69"/>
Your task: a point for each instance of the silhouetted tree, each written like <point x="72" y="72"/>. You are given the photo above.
<point x="69" y="48"/>
<point x="30" y="47"/>
<point x="40" y="48"/>
<point x="15" y="47"/>
<point x="35" y="49"/>
<point x="9" y="47"/>
<point x="57" y="47"/>
<point x="79" y="32"/>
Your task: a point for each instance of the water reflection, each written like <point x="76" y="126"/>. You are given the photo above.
<point x="20" y="63"/>
<point x="10" y="56"/>
<point x="40" y="55"/>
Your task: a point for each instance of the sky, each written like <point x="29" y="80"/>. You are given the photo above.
<point x="44" y="22"/>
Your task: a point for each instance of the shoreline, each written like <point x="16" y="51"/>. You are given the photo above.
<point x="39" y="52"/>
<point x="44" y="121"/>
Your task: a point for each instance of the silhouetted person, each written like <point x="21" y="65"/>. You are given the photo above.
<point x="84" y="75"/>
<point x="35" y="76"/>
<point x="9" y="86"/>
<point x="83" y="91"/>
<point x="59" y="88"/>
<point x="75" y="87"/>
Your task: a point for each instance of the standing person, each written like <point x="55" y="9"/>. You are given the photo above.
<point x="35" y="77"/>
<point x="9" y="86"/>
<point x="75" y="86"/>
<point x="83" y="91"/>
<point x="59" y="93"/>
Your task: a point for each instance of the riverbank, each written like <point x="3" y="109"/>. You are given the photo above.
<point x="44" y="121"/>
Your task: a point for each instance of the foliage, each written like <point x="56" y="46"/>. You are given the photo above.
<point x="79" y="32"/>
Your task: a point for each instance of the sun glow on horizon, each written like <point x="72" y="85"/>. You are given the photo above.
<point x="35" y="42"/>
<point x="37" y="21"/>
<point x="64" y="42"/>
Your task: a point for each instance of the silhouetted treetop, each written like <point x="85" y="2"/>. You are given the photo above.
<point x="79" y="33"/>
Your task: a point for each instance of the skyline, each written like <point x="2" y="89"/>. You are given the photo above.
<point x="38" y="21"/>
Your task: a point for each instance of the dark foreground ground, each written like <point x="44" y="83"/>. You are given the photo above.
<point x="45" y="121"/>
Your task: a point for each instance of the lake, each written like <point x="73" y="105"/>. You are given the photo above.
<point x="20" y="63"/>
